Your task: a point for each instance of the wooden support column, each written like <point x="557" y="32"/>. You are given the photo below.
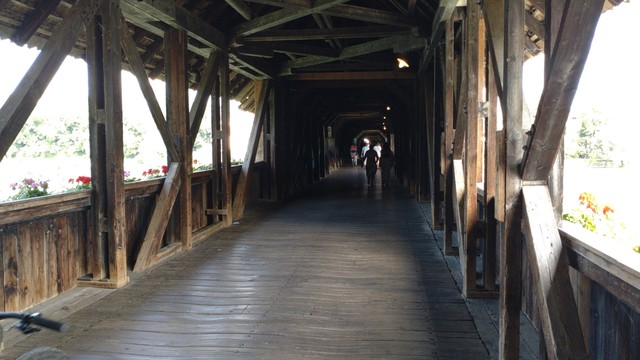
<point x="178" y="121"/>
<point x="424" y="126"/>
<point x="225" y="144"/>
<point x="449" y="113"/>
<point x="511" y="249"/>
<point x="114" y="142"/>
<point x="217" y="200"/>
<point x="433" y="142"/>
<point x="262" y="92"/>
<point x="270" y="145"/>
<point x="97" y="236"/>
<point x="490" y="171"/>
<point x="469" y="245"/>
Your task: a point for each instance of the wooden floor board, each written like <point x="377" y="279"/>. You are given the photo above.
<point x="343" y="272"/>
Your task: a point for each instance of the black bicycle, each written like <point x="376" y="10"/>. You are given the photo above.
<point x="33" y="322"/>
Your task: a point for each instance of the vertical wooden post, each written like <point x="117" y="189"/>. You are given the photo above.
<point x="511" y="251"/>
<point x="216" y="152"/>
<point x="225" y="120"/>
<point x="471" y="153"/>
<point x="490" y="170"/>
<point x="97" y="234"/>
<point x="114" y="142"/>
<point x="178" y="121"/>
<point x="270" y="148"/>
<point x="449" y="118"/>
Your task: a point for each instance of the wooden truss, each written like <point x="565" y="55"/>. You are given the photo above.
<point x="108" y="37"/>
<point x="483" y="79"/>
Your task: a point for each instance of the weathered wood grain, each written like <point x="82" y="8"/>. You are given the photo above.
<point x="307" y="279"/>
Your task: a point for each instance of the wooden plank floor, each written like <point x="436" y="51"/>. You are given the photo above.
<point x="342" y="272"/>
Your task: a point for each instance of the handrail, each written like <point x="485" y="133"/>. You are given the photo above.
<point x="28" y="209"/>
<point x="617" y="270"/>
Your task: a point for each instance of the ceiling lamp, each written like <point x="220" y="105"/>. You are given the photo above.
<point x="402" y="63"/>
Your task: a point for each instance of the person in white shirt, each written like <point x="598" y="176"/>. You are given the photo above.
<point x="365" y="148"/>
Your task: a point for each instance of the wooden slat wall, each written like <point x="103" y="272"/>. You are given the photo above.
<point x="45" y="255"/>
<point x="42" y="258"/>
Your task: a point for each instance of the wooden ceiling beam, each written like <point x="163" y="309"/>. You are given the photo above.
<point x="31" y="24"/>
<point x="351" y="76"/>
<point x="303" y="49"/>
<point x="262" y="68"/>
<point x="141" y="13"/>
<point x="280" y="17"/>
<point x="254" y="50"/>
<point x="370" y="15"/>
<point x="241" y="8"/>
<point x="302" y="4"/>
<point x="395" y="43"/>
<point x="538" y="4"/>
<point x="443" y="14"/>
<point x="534" y="25"/>
<point x="326" y="34"/>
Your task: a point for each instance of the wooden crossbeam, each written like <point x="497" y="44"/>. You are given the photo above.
<point x="31" y="24"/>
<point x="176" y="16"/>
<point x="241" y="8"/>
<point x="397" y="43"/>
<point x="280" y="17"/>
<point x="137" y="67"/>
<point x="159" y="218"/>
<point x="326" y="33"/>
<point x="443" y="14"/>
<point x="240" y="200"/>
<point x="370" y="15"/>
<point x="19" y="105"/>
<point x="565" y="68"/>
<point x="557" y="306"/>
<point x="303" y="4"/>
<point x="205" y="89"/>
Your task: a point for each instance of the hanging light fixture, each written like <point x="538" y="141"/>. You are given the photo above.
<point x="402" y="63"/>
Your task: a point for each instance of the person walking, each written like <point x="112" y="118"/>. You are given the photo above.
<point x="386" y="162"/>
<point x="353" y="150"/>
<point x="371" y="158"/>
<point x="365" y="148"/>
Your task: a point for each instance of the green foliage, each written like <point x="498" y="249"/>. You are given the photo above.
<point x="47" y="138"/>
<point x="204" y="137"/>
<point x="592" y="143"/>
<point x="29" y="188"/>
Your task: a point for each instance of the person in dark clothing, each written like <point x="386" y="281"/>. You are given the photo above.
<point x="371" y="158"/>
<point x="386" y="162"/>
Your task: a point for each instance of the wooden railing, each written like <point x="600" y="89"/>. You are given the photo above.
<point x="43" y="240"/>
<point x="606" y="287"/>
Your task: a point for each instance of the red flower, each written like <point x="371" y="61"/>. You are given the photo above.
<point x="606" y="210"/>
<point x="165" y="169"/>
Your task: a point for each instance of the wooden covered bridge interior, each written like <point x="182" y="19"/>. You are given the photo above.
<point x="475" y="181"/>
